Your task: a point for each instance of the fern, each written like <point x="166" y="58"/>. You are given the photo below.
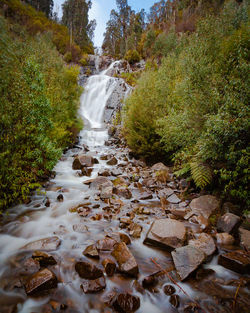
<point x="201" y="174"/>
<point x="183" y="171"/>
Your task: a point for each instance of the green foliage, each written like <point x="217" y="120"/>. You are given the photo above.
<point x="195" y="107"/>
<point x="131" y="78"/>
<point x="84" y="60"/>
<point x="68" y="57"/>
<point x="39" y="102"/>
<point x="132" y="56"/>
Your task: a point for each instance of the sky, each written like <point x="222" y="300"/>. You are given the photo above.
<point x="101" y="10"/>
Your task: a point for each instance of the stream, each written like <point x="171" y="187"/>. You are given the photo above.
<point x="71" y="216"/>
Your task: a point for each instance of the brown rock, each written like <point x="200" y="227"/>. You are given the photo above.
<point x="166" y="233"/>
<point x="237" y="261"/>
<point x="91" y="252"/>
<point x="173" y="199"/>
<point x="88" y="270"/>
<point x="105" y="173"/>
<point x="187" y="259"/>
<point x="109" y="267"/>
<point x="125" y="259"/>
<point x="106" y="244"/>
<point x="93" y="286"/>
<point x="165" y="193"/>
<point x="47" y="244"/>
<point x="205" y="243"/>
<point x="126" y="303"/>
<point x="87" y="171"/>
<point x="40" y="281"/>
<point x="120" y="237"/>
<point x="169" y="290"/>
<point x="150" y="281"/>
<point x="80" y="228"/>
<point x="204" y="205"/>
<point x="43" y="258"/>
<point x="31" y="266"/>
<point x="123" y="192"/>
<point x="112" y="161"/>
<point x="175" y="300"/>
<point x="228" y="223"/>
<point x="244" y="238"/>
<point x="82" y="161"/>
<point x="60" y="198"/>
<point x="159" y="167"/>
<point x="224" y="239"/>
<point x="135" y="230"/>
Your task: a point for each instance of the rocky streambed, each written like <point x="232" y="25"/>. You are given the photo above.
<point x="111" y="234"/>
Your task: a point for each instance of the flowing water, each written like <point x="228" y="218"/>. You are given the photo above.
<point x="34" y="221"/>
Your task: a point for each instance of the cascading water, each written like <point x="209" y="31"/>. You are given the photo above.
<point x="78" y="229"/>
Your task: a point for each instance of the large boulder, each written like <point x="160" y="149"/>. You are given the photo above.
<point x="205" y="243"/>
<point x="204" y="206"/>
<point x="237" y="261"/>
<point x="125" y="259"/>
<point x="82" y="161"/>
<point x="40" y="281"/>
<point x="228" y="223"/>
<point x="104" y="185"/>
<point x="46" y="244"/>
<point x="166" y="233"/>
<point x="244" y="238"/>
<point x="187" y="259"/>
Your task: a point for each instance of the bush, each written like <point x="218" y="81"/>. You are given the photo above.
<point x="39" y="103"/>
<point x="132" y="56"/>
<point x="84" y="60"/>
<point x="68" y="57"/>
<point x="194" y="108"/>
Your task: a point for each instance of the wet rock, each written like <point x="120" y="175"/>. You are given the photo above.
<point x="123" y="192"/>
<point x="135" y="230"/>
<point x="112" y="161"/>
<point x="105" y="173"/>
<point x="178" y="211"/>
<point x="173" y="199"/>
<point x="116" y="172"/>
<point x="125" y="259"/>
<point x="104" y="157"/>
<point x="109" y="267"/>
<point x="106" y="244"/>
<point x="150" y="281"/>
<point x="106" y="191"/>
<point x="187" y="259"/>
<point x="120" y="237"/>
<point x="93" y="286"/>
<point x="119" y="181"/>
<point x="126" y="303"/>
<point x="193" y="308"/>
<point x="80" y="228"/>
<point x="47" y="244"/>
<point x="228" y="223"/>
<point x="43" y="258"/>
<point x="203" y="273"/>
<point x="88" y="270"/>
<point x="237" y="261"/>
<point x="84" y="212"/>
<point x="91" y="251"/>
<point x="146" y="196"/>
<point x="205" y="243"/>
<point x="87" y="171"/>
<point x="104" y="185"/>
<point x="224" y="239"/>
<point x="169" y="290"/>
<point x="40" y="281"/>
<point x="31" y="266"/>
<point x="204" y="205"/>
<point x="244" y="238"/>
<point x="82" y="161"/>
<point x="175" y="300"/>
<point x="47" y="202"/>
<point x="166" y="233"/>
<point x="60" y="198"/>
<point x="159" y="167"/>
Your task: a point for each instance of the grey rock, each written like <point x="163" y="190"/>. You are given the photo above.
<point x="173" y="199"/>
<point x="205" y="243"/>
<point x="46" y="244"/>
<point x="40" y="281"/>
<point x="228" y="223"/>
<point x="204" y="206"/>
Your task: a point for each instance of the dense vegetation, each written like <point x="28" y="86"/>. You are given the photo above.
<point x="194" y="108"/>
<point x="39" y="101"/>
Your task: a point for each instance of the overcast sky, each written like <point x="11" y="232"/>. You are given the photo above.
<point x="101" y="11"/>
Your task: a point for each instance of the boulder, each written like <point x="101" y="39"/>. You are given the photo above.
<point x="174" y="300"/>
<point x="123" y="192"/>
<point x="105" y="173"/>
<point x="166" y="233"/>
<point x="43" y="258"/>
<point x="187" y="259"/>
<point x="109" y="267"/>
<point x="126" y="303"/>
<point x="81" y="161"/>
<point x="112" y="161"/>
<point x="169" y="290"/>
<point x="205" y="243"/>
<point x="228" y="223"/>
<point x="91" y="252"/>
<point x="60" y="198"/>
<point x="46" y="244"/>
<point x="165" y="193"/>
<point x="161" y="172"/>
<point x="125" y="259"/>
<point x="244" y="238"/>
<point x="237" y="261"/>
<point x="104" y="185"/>
<point x="120" y="237"/>
<point x="88" y="270"/>
<point x="106" y="244"/>
<point x="150" y="281"/>
<point x="30" y="266"/>
<point x="93" y="286"/>
<point x="224" y="239"/>
<point x="159" y="167"/>
<point x="40" y="281"/>
<point x="205" y="206"/>
<point x="87" y="171"/>
<point x="135" y="230"/>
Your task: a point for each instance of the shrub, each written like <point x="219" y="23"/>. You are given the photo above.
<point x="68" y="57"/>
<point x="132" y="56"/>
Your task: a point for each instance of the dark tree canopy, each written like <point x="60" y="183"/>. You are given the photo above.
<point x="45" y="6"/>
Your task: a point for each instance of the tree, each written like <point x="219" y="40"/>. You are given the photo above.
<point x="75" y="17"/>
<point x="45" y="6"/>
